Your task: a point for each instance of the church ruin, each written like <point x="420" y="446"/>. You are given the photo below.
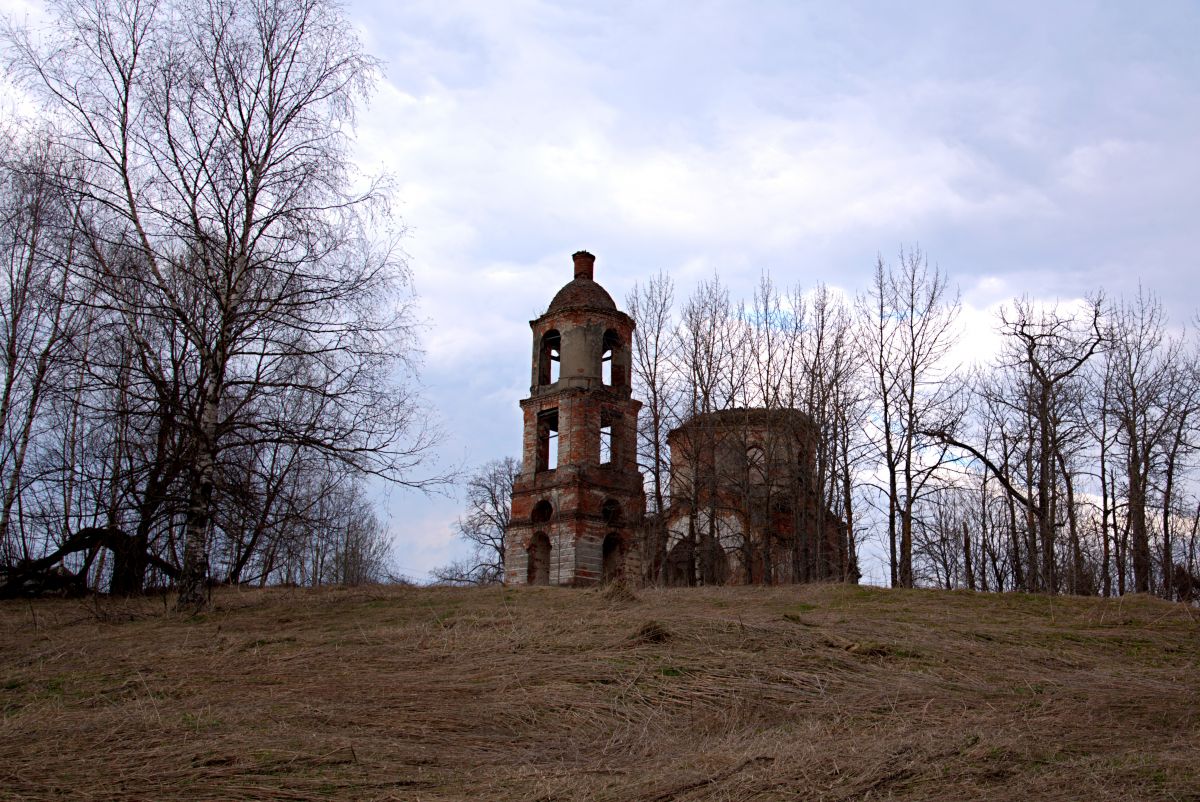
<point x="744" y="505"/>
<point x="745" y="508"/>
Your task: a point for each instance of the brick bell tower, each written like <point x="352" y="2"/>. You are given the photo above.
<point x="580" y="495"/>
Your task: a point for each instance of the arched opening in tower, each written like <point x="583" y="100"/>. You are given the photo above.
<point x="541" y="512"/>
<point x="539" y="560"/>
<point x="549" y="358"/>
<point x="756" y="466"/>
<point x="607" y="444"/>
<point x="611" y="552"/>
<point x="610" y="512"/>
<point x="702" y="564"/>
<point x="610" y="375"/>
<point x="713" y="568"/>
<point x="547" y="440"/>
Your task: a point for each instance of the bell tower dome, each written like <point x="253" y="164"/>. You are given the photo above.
<point x="580" y="494"/>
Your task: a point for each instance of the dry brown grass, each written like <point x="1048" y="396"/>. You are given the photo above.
<point x="820" y="692"/>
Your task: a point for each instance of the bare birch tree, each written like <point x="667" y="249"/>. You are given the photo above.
<point x="220" y="206"/>
<point x="907" y="322"/>
<point x="655" y="382"/>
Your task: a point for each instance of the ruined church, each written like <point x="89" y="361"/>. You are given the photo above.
<point x="744" y="505"/>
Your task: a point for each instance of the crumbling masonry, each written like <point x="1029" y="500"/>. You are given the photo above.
<point x="579" y="497"/>
<point x="744" y="505"/>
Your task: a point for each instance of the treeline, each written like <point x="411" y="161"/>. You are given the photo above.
<point x="205" y="333"/>
<point x="1064" y="463"/>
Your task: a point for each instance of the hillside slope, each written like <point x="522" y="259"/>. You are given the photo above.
<point x="819" y="692"/>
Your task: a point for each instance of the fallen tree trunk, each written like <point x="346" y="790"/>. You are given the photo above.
<point x="47" y="575"/>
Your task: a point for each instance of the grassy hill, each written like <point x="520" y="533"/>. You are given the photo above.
<point x="820" y="692"/>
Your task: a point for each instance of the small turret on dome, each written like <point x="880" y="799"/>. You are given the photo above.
<point x="582" y="292"/>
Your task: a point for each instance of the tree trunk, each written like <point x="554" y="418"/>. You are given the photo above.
<point x="1137" y="513"/>
<point x="968" y="568"/>
<point x="194" y="574"/>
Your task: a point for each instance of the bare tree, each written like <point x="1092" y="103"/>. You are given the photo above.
<point x="1097" y="419"/>
<point x="706" y="350"/>
<point x="651" y="306"/>
<point x="485" y="525"/>
<point x="1152" y="404"/>
<point x="1180" y="444"/>
<point x="824" y="380"/>
<point x="224" y="230"/>
<point x="655" y="382"/>
<point x="1045" y="352"/>
<point x="358" y="545"/>
<point x="39" y="312"/>
<point x="907" y="322"/>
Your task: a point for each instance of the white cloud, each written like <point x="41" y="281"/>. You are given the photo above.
<point x="725" y="142"/>
<point x="23" y="11"/>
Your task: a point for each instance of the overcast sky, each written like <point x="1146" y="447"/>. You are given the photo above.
<point x="1041" y="148"/>
<point x="1027" y="149"/>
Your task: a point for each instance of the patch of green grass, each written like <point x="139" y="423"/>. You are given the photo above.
<point x="1137" y="647"/>
<point x="445" y="615"/>
<point x="859" y="594"/>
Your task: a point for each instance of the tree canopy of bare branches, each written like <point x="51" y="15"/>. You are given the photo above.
<point x="485" y="525"/>
<point x="247" y="313"/>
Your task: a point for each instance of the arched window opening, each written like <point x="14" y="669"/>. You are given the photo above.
<point x="547" y="440"/>
<point x="681" y="566"/>
<point x="610" y="512"/>
<point x="539" y="560"/>
<point x="541" y="512"/>
<point x="611" y="374"/>
<point x="607" y="444"/>
<point x="713" y="563"/>
<point x="611" y="558"/>
<point x="549" y="358"/>
<point x="756" y="465"/>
